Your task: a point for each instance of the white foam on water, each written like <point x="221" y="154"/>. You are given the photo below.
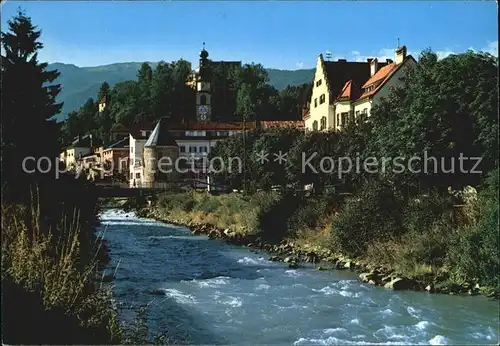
<point x="293" y="273"/>
<point x="178" y="296"/>
<point x="326" y="290"/>
<point x="335" y="341"/>
<point x="387" y="312"/>
<point x="438" y="340"/>
<point x="138" y="223"/>
<point x="214" y="282"/>
<point x="329" y="331"/>
<point x="422" y="325"/>
<point x="252" y="261"/>
<point x="354" y="321"/>
<point x="489" y="335"/>
<point x="350" y="294"/>
<point x="261" y="287"/>
<point x="413" y="312"/>
<point x="232" y="301"/>
<point x="188" y="237"/>
<point x="390" y="333"/>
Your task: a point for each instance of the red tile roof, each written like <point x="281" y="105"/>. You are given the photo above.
<point x="338" y="73"/>
<point x="378" y="80"/>
<point x="380" y="74"/>
<point x="210" y="126"/>
<point x="350" y="92"/>
<point x="282" y="124"/>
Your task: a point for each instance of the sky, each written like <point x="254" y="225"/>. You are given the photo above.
<point x="277" y="34"/>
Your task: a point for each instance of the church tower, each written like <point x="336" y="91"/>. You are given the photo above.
<point x="203" y="89"/>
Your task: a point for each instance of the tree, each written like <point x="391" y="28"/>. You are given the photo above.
<point x="125" y="104"/>
<point x="104" y="92"/>
<point x="28" y="98"/>
<point x="144" y="80"/>
<point x="162" y="87"/>
<point x="446" y="108"/>
<point x="183" y="96"/>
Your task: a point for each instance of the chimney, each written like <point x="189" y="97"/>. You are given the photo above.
<point x="400" y="54"/>
<point x="373" y="66"/>
<point x="389" y="61"/>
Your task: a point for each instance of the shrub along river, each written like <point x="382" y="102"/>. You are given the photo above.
<point x="207" y="292"/>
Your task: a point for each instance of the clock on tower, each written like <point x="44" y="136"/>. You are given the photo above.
<point x="203" y="113"/>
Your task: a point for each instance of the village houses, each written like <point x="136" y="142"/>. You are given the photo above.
<point x="342" y="91"/>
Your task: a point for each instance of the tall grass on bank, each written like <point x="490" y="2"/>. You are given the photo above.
<point x="49" y="290"/>
<point x="46" y="285"/>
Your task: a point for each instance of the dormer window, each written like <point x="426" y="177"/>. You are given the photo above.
<point x="318" y="83"/>
<point x="322" y="99"/>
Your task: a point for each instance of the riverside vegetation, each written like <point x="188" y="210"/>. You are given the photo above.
<point x="426" y="230"/>
<point x="52" y="290"/>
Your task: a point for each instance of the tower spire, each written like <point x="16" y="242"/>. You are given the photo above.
<point x="398" y="42"/>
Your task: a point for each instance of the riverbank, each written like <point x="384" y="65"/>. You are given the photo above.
<point x="246" y="221"/>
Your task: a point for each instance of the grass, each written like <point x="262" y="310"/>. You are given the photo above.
<point x="50" y="293"/>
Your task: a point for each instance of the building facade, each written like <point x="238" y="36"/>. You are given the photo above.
<point x="345" y="91"/>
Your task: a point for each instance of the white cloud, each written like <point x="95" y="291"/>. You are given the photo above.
<point x="491" y="48"/>
<point x="441" y="54"/>
<point x="299" y="65"/>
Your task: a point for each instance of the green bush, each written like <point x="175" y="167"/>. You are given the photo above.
<point x="308" y="215"/>
<point x="372" y="215"/>
<point x="420" y="213"/>
<point x="473" y="250"/>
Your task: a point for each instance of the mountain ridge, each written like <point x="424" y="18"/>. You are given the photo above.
<point x="78" y="84"/>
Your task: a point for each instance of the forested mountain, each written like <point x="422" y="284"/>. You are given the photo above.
<point x="81" y="83"/>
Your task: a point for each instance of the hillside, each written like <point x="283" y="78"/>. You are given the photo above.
<point x="81" y="83"/>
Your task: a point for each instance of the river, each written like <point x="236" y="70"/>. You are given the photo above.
<point x="208" y="292"/>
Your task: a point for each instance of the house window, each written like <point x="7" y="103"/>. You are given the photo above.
<point x="192" y="149"/>
<point x="323" y="123"/>
<point x="338" y="119"/>
<point x="132" y="150"/>
<point x="203" y="100"/>
<point x="315" y="102"/>
<point x="315" y="125"/>
<point x="318" y="83"/>
<point x="131" y="175"/>
<point x="137" y="175"/>
<point x="203" y="149"/>
<point x="357" y="114"/>
<point x="182" y="149"/>
<point x="322" y="99"/>
<point x="344" y="118"/>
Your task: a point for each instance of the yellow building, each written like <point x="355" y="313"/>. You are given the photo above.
<point x="344" y="91"/>
<point x="80" y="147"/>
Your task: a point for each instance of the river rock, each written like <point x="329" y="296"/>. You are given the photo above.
<point x="293" y="265"/>
<point x="365" y="277"/>
<point x="340" y="265"/>
<point x="289" y="259"/>
<point x="429" y="288"/>
<point x="321" y="268"/>
<point x="349" y="265"/>
<point x="274" y="259"/>
<point x="400" y="284"/>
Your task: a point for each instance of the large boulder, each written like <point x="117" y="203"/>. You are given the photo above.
<point x="400" y="284"/>
<point x="370" y="276"/>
